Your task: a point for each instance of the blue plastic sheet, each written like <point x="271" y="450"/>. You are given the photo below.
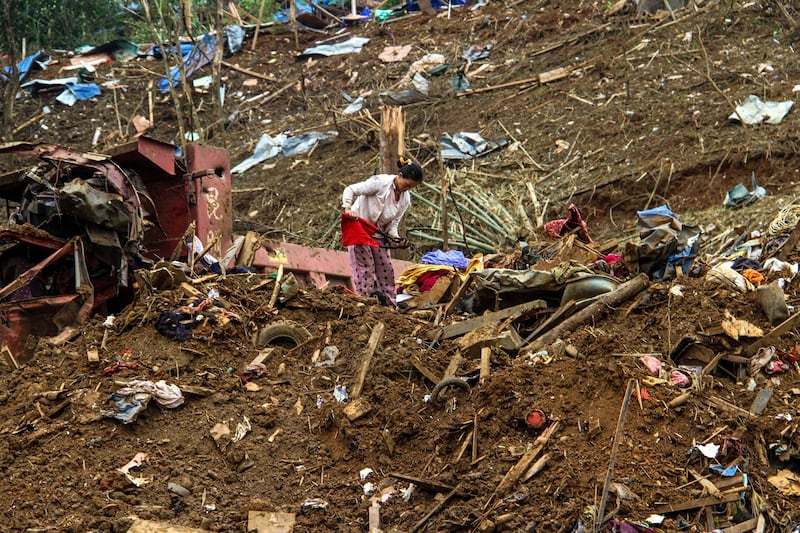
<point x="454" y="258"/>
<point x="185" y="48"/>
<point x="202" y="54"/>
<point x="38" y="59"/>
<point x="235" y="36"/>
<point x="283" y="16"/>
<point x="727" y="472"/>
<point x="78" y="91"/>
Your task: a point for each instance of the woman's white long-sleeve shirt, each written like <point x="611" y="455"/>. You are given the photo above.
<point x="374" y="200"/>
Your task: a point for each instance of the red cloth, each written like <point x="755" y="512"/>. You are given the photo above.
<point x="557" y="228"/>
<point x="427" y="280"/>
<point x="358" y="231"/>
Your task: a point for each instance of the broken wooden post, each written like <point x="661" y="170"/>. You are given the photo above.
<point x="248" y="252"/>
<point x="462" y="289"/>
<point x="92" y="355"/>
<point x="460" y="328"/>
<point x="537" y="467"/>
<point x="374" y="517"/>
<point x="277" y="288"/>
<point x="624" y="292"/>
<point x="374" y="340"/>
<point x="356" y="409"/>
<point x="486" y="356"/>
<point x="392" y="134"/>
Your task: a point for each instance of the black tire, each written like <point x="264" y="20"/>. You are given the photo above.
<point x="282" y="332"/>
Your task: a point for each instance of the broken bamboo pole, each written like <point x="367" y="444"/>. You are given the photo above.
<point x="438" y="507"/>
<point x="519" y="469"/>
<point x="258" y="24"/>
<point x="243" y="70"/>
<point x="466" y="228"/>
<point x="626" y="402"/>
<point x="624" y="292"/>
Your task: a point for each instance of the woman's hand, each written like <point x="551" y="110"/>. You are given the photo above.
<point x="350" y="213"/>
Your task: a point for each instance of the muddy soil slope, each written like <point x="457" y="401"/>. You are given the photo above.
<point x="611" y="113"/>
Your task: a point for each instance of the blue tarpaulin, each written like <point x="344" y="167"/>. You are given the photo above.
<point x="283" y="16"/>
<point x="185" y="48"/>
<point x="201" y="54"/>
<point x="38" y="59"/>
<point x="77" y="91"/>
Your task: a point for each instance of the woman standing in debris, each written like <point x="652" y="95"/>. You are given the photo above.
<point x="381" y="200"/>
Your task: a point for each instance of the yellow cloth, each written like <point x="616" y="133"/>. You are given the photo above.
<point x="411" y="274"/>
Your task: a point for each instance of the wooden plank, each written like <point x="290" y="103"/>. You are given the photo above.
<point x="696" y="504"/>
<point x="486" y="357"/>
<point x="553" y="75"/>
<point x="742" y="527"/>
<point x="726" y="482"/>
<point x="276" y="289"/>
<point x="425" y="371"/>
<point x="722" y="404"/>
<point x="262" y="356"/>
<point x="457" y="296"/>
<point x="773" y="336"/>
<point x="374" y="340"/>
<point x="148" y="526"/>
<point x="460" y="328"/>
<point x="374" y="517"/>
<point x="8" y="357"/>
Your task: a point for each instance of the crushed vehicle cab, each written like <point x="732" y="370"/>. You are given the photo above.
<point x="80" y="223"/>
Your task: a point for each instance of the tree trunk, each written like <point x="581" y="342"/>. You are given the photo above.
<point x="11" y="86"/>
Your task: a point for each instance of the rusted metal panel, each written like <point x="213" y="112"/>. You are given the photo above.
<point x="209" y="174"/>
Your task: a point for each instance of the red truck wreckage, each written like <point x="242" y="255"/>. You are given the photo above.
<point x="80" y="223"/>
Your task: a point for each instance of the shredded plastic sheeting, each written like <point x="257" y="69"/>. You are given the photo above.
<point x="282" y="145"/>
<point x="350" y="46"/>
<point x="755" y="111"/>
<point x="465" y="145"/>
